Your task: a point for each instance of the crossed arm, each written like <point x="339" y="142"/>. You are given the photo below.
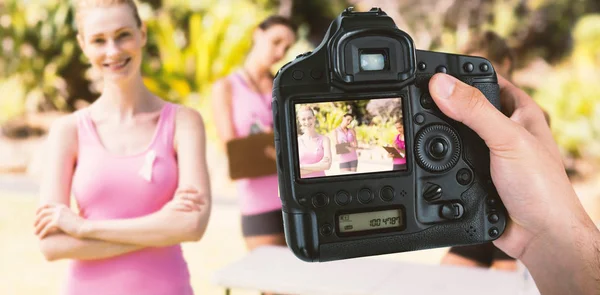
<point x="325" y="162"/>
<point x="66" y="235"/>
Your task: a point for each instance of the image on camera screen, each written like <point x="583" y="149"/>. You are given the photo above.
<point x="347" y="137"/>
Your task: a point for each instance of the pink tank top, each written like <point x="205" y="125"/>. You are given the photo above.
<point x="109" y="186"/>
<point x="311" y="156"/>
<point x="249" y="110"/>
<point x="346" y="137"/>
<point x="401" y="145"/>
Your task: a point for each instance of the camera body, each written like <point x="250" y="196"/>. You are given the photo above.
<point x="441" y="196"/>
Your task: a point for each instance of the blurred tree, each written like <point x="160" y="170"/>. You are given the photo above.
<point x="39" y="49"/>
<point x="571" y="93"/>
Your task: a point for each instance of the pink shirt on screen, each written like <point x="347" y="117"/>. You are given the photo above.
<point x="311" y="156"/>
<point x="400" y="144"/>
<point x="346" y="137"/>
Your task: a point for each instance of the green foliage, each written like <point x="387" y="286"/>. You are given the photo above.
<point x="37" y="48"/>
<point x="571" y="93"/>
<point x="328" y="117"/>
<point x="11" y="104"/>
<point x="193" y="48"/>
<point x="378" y="134"/>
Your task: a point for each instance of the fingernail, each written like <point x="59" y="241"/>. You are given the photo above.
<point x="444" y="86"/>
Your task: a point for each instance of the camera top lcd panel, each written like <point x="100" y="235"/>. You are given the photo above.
<point x="367" y="163"/>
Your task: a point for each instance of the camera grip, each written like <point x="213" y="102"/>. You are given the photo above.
<point x="491" y="91"/>
<point x="299" y="237"/>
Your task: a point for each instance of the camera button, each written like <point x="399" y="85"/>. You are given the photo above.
<point x="438" y="148"/>
<point x="432" y="192"/>
<point x="365" y="196"/>
<point x="493" y="218"/>
<point x="387" y="193"/>
<point x="316" y="74"/>
<point x="302" y="201"/>
<point x="419" y="119"/>
<point x="426" y="101"/>
<point x="468" y="67"/>
<point x="493" y="232"/>
<point x="326" y="229"/>
<point x="441" y="69"/>
<point x="491" y="202"/>
<point x="343" y="198"/>
<point x="464" y="176"/>
<point x="297" y="75"/>
<point x="452" y="211"/>
<point x="320" y="200"/>
<point x="484" y="67"/>
<point x="422" y="66"/>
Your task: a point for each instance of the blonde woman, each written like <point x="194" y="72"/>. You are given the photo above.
<point x="314" y="149"/>
<point x="135" y="165"/>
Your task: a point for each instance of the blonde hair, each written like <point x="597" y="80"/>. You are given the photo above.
<point x="306" y="108"/>
<point x="81" y="5"/>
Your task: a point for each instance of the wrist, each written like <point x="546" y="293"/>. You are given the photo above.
<point x="565" y="255"/>
<point x="85" y="230"/>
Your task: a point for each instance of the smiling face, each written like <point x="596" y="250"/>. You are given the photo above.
<point x="273" y="43"/>
<point x="306" y="119"/>
<point x="112" y="40"/>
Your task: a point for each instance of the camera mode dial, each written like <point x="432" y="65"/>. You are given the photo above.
<point x="437" y="148"/>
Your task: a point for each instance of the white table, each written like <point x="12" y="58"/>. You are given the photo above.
<point x="276" y="269"/>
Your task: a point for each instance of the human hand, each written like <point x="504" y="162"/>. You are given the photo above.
<point x="525" y="163"/>
<point x="186" y="199"/>
<point x="52" y="218"/>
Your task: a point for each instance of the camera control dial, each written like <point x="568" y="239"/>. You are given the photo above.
<point x="437" y="148"/>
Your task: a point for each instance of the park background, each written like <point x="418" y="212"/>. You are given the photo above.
<point x="43" y="76"/>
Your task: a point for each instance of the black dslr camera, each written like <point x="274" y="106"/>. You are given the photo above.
<point x="406" y="177"/>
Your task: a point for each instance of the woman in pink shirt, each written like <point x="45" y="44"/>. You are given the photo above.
<point x="314" y="149"/>
<point x="345" y="134"/>
<point x="135" y="165"/>
<point x="400" y="145"/>
<point x="242" y="106"/>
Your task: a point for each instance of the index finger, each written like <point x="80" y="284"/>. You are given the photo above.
<point x="42" y="207"/>
<point x="523" y="110"/>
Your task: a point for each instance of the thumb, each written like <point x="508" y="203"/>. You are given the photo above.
<point x="468" y="105"/>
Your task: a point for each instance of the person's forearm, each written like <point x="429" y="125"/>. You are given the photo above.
<point x="159" y="229"/>
<point x="62" y="246"/>
<point x="566" y="261"/>
<point x="319" y="166"/>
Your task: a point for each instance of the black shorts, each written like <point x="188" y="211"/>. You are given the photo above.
<point x="483" y="253"/>
<point x="268" y="223"/>
<point x="350" y="164"/>
<point x="399" y="167"/>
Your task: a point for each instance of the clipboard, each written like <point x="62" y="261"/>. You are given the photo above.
<point x="392" y="150"/>
<point x="247" y="158"/>
<point x="342" y="148"/>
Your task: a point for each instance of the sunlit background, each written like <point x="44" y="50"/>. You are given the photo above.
<point x="43" y="75"/>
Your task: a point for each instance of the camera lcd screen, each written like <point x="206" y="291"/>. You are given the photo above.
<point x="350" y="137"/>
<point x="367" y="221"/>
